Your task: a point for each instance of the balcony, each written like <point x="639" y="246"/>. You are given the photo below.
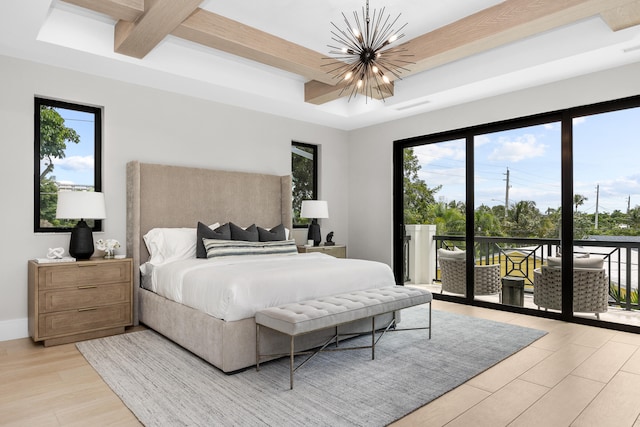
<point x="519" y="257"/>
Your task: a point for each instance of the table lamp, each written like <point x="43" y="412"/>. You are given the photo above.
<point x="80" y="205"/>
<point x="314" y="209"/>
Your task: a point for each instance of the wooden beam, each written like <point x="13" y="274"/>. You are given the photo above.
<point x="137" y="38"/>
<point x="319" y="93"/>
<point x="622" y="17"/>
<point x="504" y="23"/>
<point x="126" y="10"/>
<point x="233" y="37"/>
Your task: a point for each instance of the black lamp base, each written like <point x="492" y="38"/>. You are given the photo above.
<point x="314" y="232"/>
<point x="81" y="244"/>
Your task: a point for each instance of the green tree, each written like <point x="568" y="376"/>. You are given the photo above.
<point x="54" y="136"/>
<point x="523" y="219"/>
<point x="447" y="218"/>
<point x="302" y="166"/>
<point x="486" y="222"/>
<point x="578" y="200"/>
<point x="417" y="195"/>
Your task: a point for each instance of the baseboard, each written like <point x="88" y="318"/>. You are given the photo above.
<point x="14" y="329"/>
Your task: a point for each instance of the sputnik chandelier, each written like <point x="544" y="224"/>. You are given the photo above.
<point x="363" y="58"/>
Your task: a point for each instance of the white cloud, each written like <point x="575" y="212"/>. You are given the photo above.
<point x="75" y="163"/>
<point x="523" y="147"/>
<point x="430" y="153"/>
<point x="579" y="120"/>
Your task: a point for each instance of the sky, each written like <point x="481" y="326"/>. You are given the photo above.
<point x="606" y="153"/>
<point x="77" y="165"/>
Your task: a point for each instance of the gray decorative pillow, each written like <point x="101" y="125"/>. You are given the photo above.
<point x="249" y="234"/>
<point x="205" y="232"/>
<point x="274" y="234"/>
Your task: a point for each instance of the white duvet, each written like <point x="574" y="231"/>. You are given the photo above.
<point x="234" y="288"/>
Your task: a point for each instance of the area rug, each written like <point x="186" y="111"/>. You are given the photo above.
<point x="165" y="385"/>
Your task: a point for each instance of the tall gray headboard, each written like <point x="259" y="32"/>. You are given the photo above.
<point x="177" y="196"/>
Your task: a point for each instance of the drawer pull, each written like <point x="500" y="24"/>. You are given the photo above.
<point x="86" y="265"/>
<point x="87" y="287"/>
<point x="87" y="309"/>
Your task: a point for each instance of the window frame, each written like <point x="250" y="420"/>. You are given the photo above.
<point x="315" y="150"/>
<point x="97" y="158"/>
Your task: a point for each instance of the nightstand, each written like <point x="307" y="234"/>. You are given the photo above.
<point x="338" y="251"/>
<point x="74" y="301"/>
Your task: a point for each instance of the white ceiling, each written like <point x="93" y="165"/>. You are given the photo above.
<point x="56" y="33"/>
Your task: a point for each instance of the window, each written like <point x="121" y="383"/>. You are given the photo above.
<point x="304" y="174"/>
<point x="67" y="154"/>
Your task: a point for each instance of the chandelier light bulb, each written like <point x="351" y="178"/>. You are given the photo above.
<point x="385" y="79"/>
<point x="348" y="75"/>
<point x="359" y="83"/>
<point x="393" y="38"/>
<point x="374" y="69"/>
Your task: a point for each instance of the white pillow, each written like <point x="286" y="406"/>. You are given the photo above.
<point x="578" y="262"/>
<point x="454" y="254"/>
<point x="171" y="244"/>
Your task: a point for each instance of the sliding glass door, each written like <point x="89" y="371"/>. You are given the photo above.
<point x="545" y="210"/>
<point x="517" y="196"/>
<point x="606" y="215"/>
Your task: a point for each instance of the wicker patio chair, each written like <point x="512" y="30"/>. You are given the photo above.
<point x="454" y="277"/>
<point x="590" y="289"/>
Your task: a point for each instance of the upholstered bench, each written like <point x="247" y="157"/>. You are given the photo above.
<point x="332" y="311"/>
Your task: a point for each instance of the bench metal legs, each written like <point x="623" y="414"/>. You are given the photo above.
<point x="292" y="353"/>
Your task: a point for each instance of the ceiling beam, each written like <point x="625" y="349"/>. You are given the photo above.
<point x="137" y="38"/>
<point x="233" y="37"/>
<point x="318" y="93"/>
<point x="622" y="17"/>
<point x="127" y="10"/>
<point x="506" y="22"/>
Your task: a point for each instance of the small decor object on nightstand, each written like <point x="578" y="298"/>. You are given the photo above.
<point x="55" y="253"/>
<point x="108" y="246"/>
<point x="330" y="241"/>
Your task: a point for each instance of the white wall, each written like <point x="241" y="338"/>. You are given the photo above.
<point x="139" y="124"/>
<point x="370" y="149"/>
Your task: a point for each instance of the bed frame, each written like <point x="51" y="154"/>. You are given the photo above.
<point x="174" y="196"/>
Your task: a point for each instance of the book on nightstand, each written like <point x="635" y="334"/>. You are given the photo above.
<point x="54" y="260"/>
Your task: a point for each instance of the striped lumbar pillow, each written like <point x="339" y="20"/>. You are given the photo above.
<point x="219" y="248"/>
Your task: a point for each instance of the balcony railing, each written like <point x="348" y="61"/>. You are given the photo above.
<point x="520" y="256"/>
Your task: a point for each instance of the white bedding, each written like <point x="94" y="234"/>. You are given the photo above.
<point x="234" y="288"/>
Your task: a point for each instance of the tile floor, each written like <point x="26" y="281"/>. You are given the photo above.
<point x="574" y="376"/>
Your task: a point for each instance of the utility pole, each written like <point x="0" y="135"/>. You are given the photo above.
<point x="597" y="200"/>
<point x="628" y="204"/>
<point x="506" y="195"/>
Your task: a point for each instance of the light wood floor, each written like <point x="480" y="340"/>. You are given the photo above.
<point x="575" y="375"/>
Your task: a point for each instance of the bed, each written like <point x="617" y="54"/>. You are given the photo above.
<point x="164" y="196"/>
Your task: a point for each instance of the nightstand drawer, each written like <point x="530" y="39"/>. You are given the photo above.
<point x="83" y="296"/>
<point x="75" y="321"/>
<point x="80" y="273"/>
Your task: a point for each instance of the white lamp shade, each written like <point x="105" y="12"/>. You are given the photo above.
<point x="314" y="209"/>
<point x="80" y="205"/>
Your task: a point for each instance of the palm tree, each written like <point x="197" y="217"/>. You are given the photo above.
<point x="578" y="200"/>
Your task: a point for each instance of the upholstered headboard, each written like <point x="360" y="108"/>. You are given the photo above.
<point x="176" y="196"/>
